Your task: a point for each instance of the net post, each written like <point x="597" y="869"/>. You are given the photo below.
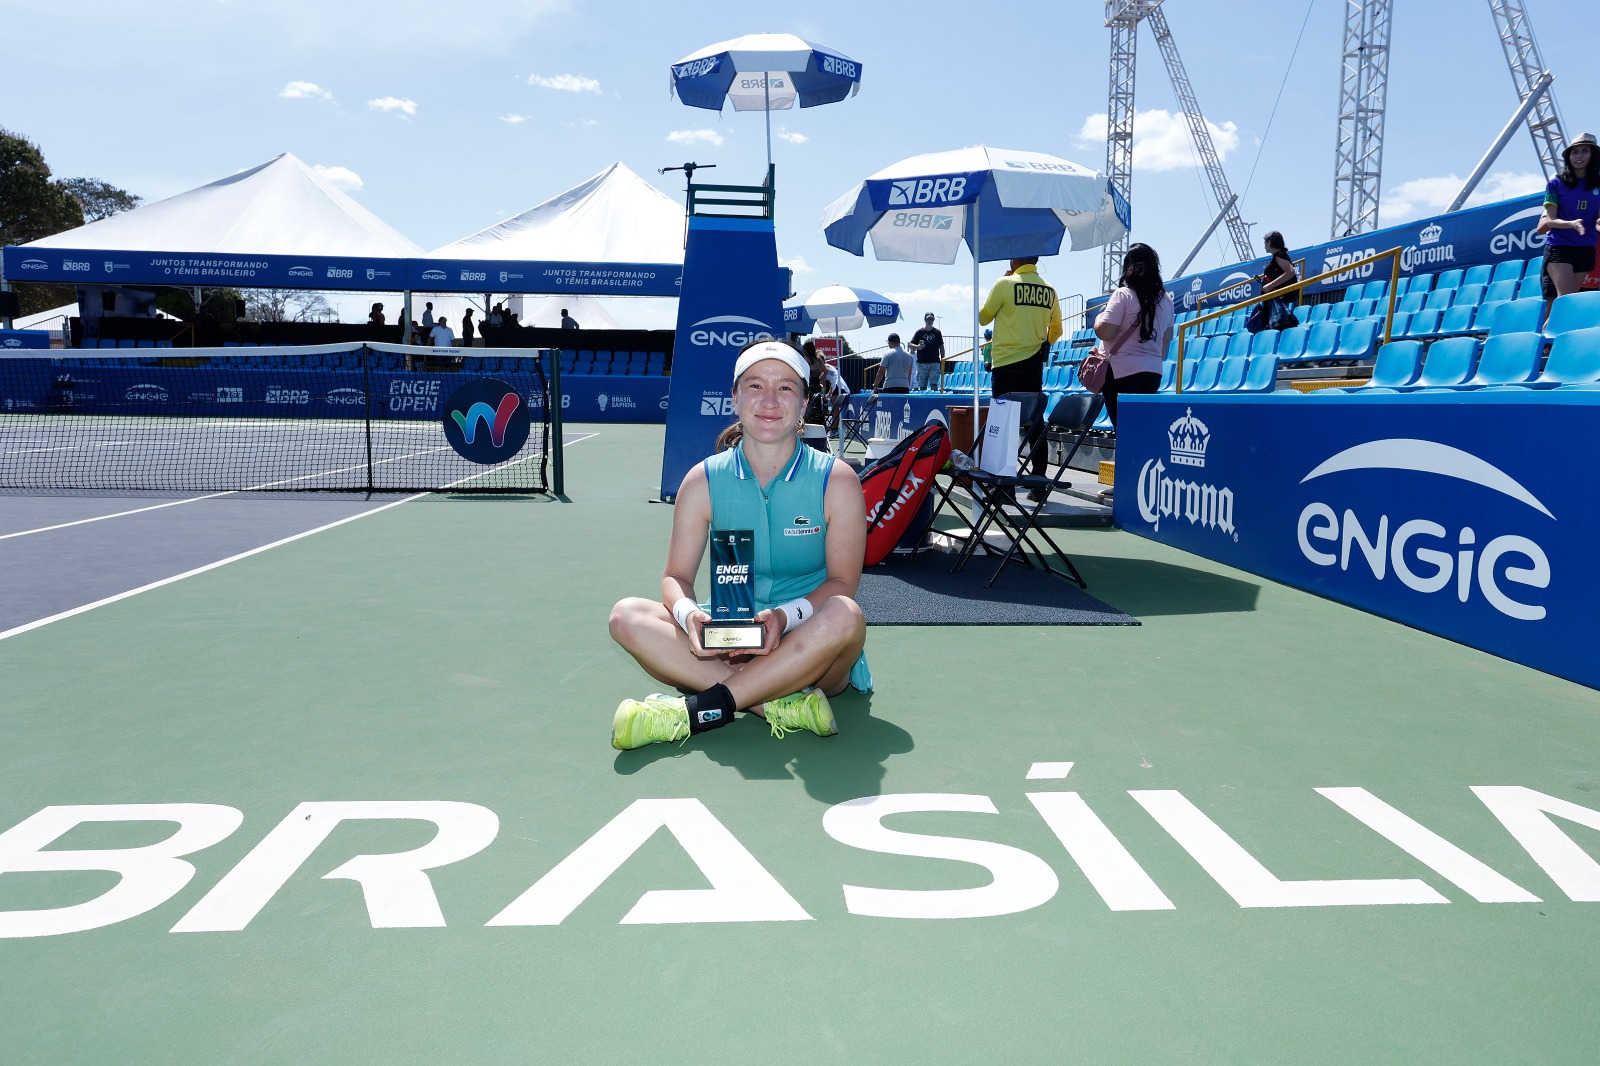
<point x="558" y="474"/>
<point x="367" y="357"/>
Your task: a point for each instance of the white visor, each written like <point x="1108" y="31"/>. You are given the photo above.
<point x="772" y="350"/>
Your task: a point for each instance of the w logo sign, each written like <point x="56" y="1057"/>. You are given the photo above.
<point x="486" y="421"/>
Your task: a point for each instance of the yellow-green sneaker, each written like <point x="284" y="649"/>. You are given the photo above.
<point x="807" y="709"/>
<point x="656" y="719"/>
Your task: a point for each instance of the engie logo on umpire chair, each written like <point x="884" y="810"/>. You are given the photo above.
<point x="486" y="421"/>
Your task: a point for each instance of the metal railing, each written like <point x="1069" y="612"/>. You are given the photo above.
<point x="1392" y="254"/>
<point x="734" y="201"/>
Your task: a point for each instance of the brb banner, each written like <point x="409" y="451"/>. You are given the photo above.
<point x="99" y="267"/>
<point x="732" y="294"/>
<point x="1447" y="242"/>
<point x="1401" y="505"/>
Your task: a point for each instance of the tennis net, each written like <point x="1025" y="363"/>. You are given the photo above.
<point x="330" y="418"/>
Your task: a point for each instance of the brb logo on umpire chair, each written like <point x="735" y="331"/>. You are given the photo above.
<point x="486" y="421"/>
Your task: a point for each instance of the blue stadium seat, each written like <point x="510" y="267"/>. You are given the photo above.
<point x="1265" y="342"/>
<point x="1262" y="374"/>
<point x="1204" y="378"/>
<point x="1321" y="342"/>
<point x="1574" y="357"/>
<point x="1457" y="321"/>
<point x="1578" y="310"/>
<point x="1448" y="362"/>
<point x="1446" y="279"/>
<point x="1357" y="341"/>
<point x="1439" y="299"/>
<point x="1483" y="314"/>
<point x="1509" y="270"/>
<point x="1518" y="316"/>
<point x="1509" y="359"/>
<point x="125" y="344"/>
<point x="163" y="344"/>
<point x="1477" y="275"/>
<point x="1239" y="344"/>
<point x="1423" y="324"/>
<point x="1230" y="376"/>
<point x="1422" y="283"/>
<point x="1469" y="293"/>
<point x="1292" y="343"/>
<point x="145" y="344"/>
<point x="1169" y="370"/>
<point x="1530" y="289"/>
<point x="1365" y="308"/>
<point x="1194" y="348"/>
<point x="1340" y="311"/>
<point x="1533" y="267"/>
<point x="1398" y="327"/>
<point x="1396" y="366"/>
<point x="1412" y="302"/>
<point x="1500" y="291"/>
<point x="1315" y="313"/>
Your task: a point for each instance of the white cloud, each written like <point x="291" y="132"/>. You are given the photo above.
<point x="340" y="177"/>
<point x="513" y="120"/>
<point x="711" y="137"/>
<point x="392" y="103"/>
<point x="792" y="138"/>
<point x="798" y="264"/>
<point x="567" y="83"/>
<point x="1161" y="139"/>
<point x="951" y="304"/>
<point x="1430" y="196"/>
<point x="586" y="123"/>
<point x="304" y="90"/>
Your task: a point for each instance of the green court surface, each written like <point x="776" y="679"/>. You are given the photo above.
<point x="908" y="894"/>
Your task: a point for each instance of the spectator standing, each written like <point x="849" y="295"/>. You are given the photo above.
<point x="567" y="321"/>
<point x="928" y="345"/>
<point x="427" y="315"/>
<point x="1027" y="320"/>
<point x="466" y="328"/>
<point x="442" y="336"/>
<point x="375" y="318"/>
<point x="894" y="372"/>
<point x="1279" y="272"/>
<point x="1138" y="321"/>
<point x="1571" y="207"/>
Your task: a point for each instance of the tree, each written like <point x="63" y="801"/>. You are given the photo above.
<point x="31" y="205"/>
<point x="286" y="305"/>
<point x="99" y="199"/>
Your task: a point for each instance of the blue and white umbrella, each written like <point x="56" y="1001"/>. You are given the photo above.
<point x="1003" y="204"/>
<point x="765" y="72"/>
<point x="834" y="308"/>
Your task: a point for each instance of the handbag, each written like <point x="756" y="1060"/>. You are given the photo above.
<point x="1002" y="438"/>
<point x="1096" y="366"/>
<point x="1257" y="319"/>
<point x="1284" y="318"/>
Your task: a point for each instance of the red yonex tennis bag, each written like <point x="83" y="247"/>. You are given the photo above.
<point x="897" y="486"/>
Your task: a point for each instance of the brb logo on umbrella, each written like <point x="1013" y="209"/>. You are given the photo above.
<point x="920" y="191"/>
<point x="486" y="421"/>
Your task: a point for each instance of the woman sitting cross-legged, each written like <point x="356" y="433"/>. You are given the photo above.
<point x="807" y="528"/>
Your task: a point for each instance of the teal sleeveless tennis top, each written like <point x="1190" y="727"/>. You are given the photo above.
<point x="788" y="518"/>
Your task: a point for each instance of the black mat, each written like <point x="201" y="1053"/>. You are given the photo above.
<point x="920" y="591"/>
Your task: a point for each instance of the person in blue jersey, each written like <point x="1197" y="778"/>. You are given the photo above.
<point x="1571" y="207"/>
<point x="810" y="532"/>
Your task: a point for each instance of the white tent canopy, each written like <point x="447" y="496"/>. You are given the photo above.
<point x="614" y="217"/>
<point x="281" y="207"/>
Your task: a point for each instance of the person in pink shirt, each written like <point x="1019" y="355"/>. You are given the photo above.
<point x="1135" y="327"/>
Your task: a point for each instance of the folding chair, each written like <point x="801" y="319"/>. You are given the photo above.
<point x="857" y="427"/>
<point x="1017" y="517"/>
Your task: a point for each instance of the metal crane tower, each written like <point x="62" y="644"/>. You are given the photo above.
<point x="1527" y="67"/>
<point x="1363" y="90"/>
<point x="1123" y="17"/>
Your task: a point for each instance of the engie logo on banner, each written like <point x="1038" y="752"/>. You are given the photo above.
<point x="1375" y="522"/>
<point x="725" y="330"/>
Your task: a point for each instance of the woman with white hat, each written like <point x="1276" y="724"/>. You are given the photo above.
<point x="1571" y="206"/>
<point x="809" y="526"/>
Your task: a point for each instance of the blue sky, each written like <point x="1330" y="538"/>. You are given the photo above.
<point x="444" y="118"/>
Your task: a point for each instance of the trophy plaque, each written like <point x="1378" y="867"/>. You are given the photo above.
<point x="733" y="624"/>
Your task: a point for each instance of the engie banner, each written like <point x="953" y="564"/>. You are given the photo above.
<point x="732" y="294"/>
<point x="1400" y="505"/>
<point x="1455" y="241"/>
<point x="99" y="267"/>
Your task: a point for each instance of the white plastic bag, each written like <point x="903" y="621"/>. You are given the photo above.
<point x="1002" y="438"/>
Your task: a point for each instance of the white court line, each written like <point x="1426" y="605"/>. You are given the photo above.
<point x="41" y="622"/>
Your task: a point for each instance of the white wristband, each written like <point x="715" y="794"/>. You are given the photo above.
<point x="796" y="612"/>
<point x="682" y="610"/>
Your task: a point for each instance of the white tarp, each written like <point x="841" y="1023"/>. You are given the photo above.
<point x="614" y="217"/>
<point x="281" y="207"/>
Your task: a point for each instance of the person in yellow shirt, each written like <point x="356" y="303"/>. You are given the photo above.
<point x="1027" y="320"/>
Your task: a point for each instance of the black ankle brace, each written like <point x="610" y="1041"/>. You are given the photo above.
<point x="710" y="709"/>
